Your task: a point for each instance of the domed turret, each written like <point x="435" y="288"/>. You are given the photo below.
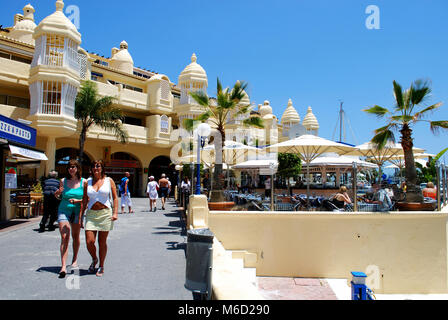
<point x="265" y="109"/>
<point x="58" y="24"/>
<point x="194" y="72"/>
<point x="121" y="59"/>
<point x="310" y="121"/>
<point x="54" y="79"/>
<point x="290" y="116"/>
<point x="192" y="79"/>
<point x="23" y="29"/>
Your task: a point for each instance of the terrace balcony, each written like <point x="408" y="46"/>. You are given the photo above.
<point x="14" y="73"/>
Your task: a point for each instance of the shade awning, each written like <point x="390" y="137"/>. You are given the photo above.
<point x="24" y="154"/>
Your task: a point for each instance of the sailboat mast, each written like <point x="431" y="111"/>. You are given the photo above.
<point x="341" y="119"/>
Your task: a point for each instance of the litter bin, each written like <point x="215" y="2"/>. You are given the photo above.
<point x="198" y="276"/>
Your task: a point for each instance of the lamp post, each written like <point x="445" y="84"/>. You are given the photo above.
<point x="203" y="132"/>
<point x="355" y="186"/>
<point x="438" y="185"/>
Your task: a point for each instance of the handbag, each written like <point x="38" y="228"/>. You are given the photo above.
<point x="111" y="198"/>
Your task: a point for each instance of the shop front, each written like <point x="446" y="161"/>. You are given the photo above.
<point x="18" y="166"/>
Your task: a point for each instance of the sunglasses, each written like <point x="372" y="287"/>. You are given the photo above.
<point x="73" y="167"/>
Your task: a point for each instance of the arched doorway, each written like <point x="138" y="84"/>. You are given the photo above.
<point x="64" y="155"/>
<point x="121" y="163"/>
<point x="163" y="164"/>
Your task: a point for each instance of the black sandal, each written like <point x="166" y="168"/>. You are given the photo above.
<point x="62" y="274"/>
<point x="92" y="266"/>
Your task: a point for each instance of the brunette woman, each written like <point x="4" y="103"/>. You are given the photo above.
<point x="71" y="190"/>
<point x="100" y="196"/>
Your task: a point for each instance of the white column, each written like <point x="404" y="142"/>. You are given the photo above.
<point x="50" y="151"/>
<point x="338" y="177"/>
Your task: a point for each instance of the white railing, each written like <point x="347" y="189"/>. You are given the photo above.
<point x="50" y="108"/>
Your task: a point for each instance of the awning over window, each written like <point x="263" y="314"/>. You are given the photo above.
<point x="23" y="154"/>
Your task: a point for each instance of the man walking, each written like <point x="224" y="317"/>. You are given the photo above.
<point x="51" y="204"/>
<point x="125" y="194"/>
<point x="164" y="186"/>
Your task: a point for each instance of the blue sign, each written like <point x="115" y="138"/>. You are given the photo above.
<point x="13" y="130"/>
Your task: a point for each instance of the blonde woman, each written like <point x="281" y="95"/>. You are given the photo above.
<point x="342" y="198"/>
<point x="99" y="194"/>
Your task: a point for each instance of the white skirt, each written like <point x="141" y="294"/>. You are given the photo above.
<point x="153" y="195"/>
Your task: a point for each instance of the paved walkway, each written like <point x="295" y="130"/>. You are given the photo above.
<point x="145" y="260"/>
<point x="280" y="288"/>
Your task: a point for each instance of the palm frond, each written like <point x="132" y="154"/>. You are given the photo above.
<point x="438" y="156"/>
<point x="403" y="118"/>
<point x="378" y="111"/>
<point x="420" y="91"/>
<point x="382" y="137"/>
<point x="256" y="122"/>
<point x="435" y="126"/>
<point x="243" y="110"/>
<point x="218" y="87"/>
<point x="398" y="93"/>
<point x="421" y="114"/>
<point x="116" y="127"/>
<point x="188" y="124"/>
<point x="201" y="98"/>
<point x="204" y="117"/>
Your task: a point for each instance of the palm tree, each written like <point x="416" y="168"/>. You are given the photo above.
<point x="402" y="118"/>
<point x="228" y="102"/>
<point x="91" y="109"/>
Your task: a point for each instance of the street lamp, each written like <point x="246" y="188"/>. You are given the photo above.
<point x="202" y="132"/>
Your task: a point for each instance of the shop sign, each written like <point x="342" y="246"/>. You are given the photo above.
<point x="10" y="178"/>
<point x="13" y="130"/>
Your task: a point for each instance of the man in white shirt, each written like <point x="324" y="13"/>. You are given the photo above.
<point x="267" y="188"/>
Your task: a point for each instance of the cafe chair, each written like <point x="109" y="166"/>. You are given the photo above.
<point x="23" y="203"/>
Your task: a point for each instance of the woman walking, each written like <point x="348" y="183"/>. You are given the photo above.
<point x="99" y="194"/>
<point x="71" y="191"/>
<point x="151" y="191"/>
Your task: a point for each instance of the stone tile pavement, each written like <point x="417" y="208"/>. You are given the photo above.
<point x="145" y="260"/>
<point x="279" y="288"/>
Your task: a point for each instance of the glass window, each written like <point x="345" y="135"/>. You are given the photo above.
<point x="133" y="121"/>
<point x="3" y="99"/>
<point x="21" y="59"/>
<point x="5" y="55"/>
<point x="19" y="102"/>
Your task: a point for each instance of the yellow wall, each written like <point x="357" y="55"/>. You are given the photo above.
<point x="410" y="249"/>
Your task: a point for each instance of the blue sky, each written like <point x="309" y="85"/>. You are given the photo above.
<point x="314" y="52"/>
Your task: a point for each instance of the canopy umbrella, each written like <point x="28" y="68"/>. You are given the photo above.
<point x="231" y="145"/>
<point x="399" y="163"/>
<point x="308" y="148"/>
<point x="379" y="157"/>
<point x="342" y="161"/>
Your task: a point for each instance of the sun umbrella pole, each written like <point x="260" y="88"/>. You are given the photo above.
<point x="308" y="186"/>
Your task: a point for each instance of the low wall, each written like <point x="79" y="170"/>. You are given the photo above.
<point x="408" y="250"/>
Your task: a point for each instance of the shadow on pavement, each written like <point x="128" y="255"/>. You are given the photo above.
<point x="55" y="270"/>
<point x="11" y="223"/>
<point x="177" y="246"/>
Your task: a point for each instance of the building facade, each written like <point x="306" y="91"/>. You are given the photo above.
<point x="42" y="67"/>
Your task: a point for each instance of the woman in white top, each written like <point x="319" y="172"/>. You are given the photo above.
<point x="99" y="216"/>
<point x="151" y="191"/>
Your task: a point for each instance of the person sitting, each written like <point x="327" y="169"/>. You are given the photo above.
<point x="381" y="197"/>
<point x="341" y="199"/>
<point x="430" y="191"/>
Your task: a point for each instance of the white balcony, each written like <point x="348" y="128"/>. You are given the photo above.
<point x="14" y="72"/>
